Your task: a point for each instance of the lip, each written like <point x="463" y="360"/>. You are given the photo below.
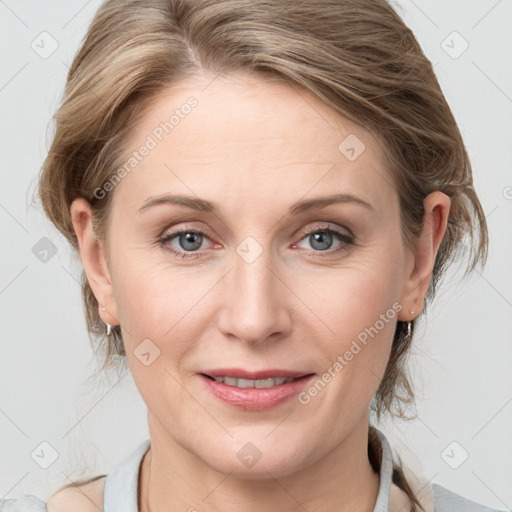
<point x="256" y="399"/>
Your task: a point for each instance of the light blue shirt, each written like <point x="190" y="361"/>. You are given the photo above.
<point x="120" y="493"/>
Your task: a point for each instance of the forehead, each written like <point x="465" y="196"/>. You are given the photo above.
<point x="240" y="136"/>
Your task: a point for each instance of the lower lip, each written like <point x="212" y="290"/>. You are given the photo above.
<point x="256" y="399"/>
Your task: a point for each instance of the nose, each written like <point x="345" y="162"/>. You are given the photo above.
<point x="256" y="301"/>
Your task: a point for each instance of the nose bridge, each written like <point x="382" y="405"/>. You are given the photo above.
<point x="254" y="307"/>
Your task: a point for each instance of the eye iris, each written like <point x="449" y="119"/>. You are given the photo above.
<point x="323" y="238"/>
<point x="195" y="239"/>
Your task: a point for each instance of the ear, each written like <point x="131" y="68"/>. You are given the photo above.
<point x="419" y="271"/>
<point x="94" y="260"/>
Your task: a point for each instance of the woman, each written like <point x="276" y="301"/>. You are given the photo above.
<point x="263" y="196"/>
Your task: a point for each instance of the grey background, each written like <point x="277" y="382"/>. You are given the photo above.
<point x="461" y="363"/>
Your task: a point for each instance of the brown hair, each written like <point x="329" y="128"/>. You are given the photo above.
<point x="357" y="56"/>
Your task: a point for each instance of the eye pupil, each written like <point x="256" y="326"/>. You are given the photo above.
<point x="190" y="241"/>
<point x="324" y="240"/>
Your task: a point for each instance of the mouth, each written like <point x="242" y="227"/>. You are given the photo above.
<point x="254" y="391"/>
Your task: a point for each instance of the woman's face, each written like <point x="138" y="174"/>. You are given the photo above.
<point x="269" y="278"/>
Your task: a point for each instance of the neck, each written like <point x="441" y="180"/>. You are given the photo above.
<point x="173" y="478"/>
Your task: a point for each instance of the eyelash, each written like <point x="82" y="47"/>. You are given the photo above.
<point x="346" y="239"/>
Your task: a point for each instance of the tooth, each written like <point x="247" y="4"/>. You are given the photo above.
<point x="264" y="383"/>
<point x="230" y="381"/>
<point x="245" y="383"/>
<point x="250" y="383"/>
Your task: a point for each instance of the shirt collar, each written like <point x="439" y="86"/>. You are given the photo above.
<point x="121" y="486"/>
<point x="385" y="473"/>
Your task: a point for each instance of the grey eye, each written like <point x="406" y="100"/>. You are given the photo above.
<point x="321" y="240"/>
<point x="190" y="241"/>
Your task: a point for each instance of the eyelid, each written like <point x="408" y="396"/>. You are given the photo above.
<point x="170" y="232"/>
<point x="328" y="227"/>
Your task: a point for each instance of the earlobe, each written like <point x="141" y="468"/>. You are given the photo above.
<point x="417" y="281"/>
<point x="93" y="259"/>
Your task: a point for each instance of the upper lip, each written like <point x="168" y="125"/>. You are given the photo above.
<point x="253" y="375"/>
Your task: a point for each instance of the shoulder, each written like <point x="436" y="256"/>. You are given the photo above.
<point x="87" y="497"/>
<point x="449" y="501"/>
<point x="25" y="503"/>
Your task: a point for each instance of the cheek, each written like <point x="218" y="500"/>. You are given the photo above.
<point x="358" y="307"/>
<point x="156" y="311"/>
<point x="354" y="295"/>
<point x="160" y="302"/>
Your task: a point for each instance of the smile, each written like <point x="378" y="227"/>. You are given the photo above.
<point x="254" y="394"/>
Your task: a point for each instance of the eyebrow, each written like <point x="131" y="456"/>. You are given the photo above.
<point x="211" y="207"/>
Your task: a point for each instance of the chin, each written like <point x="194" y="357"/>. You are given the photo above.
<point x="260" y="471"/>
<point x="248" y="462"/>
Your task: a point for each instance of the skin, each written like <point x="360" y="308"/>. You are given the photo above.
<point x="255" y="147"/>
